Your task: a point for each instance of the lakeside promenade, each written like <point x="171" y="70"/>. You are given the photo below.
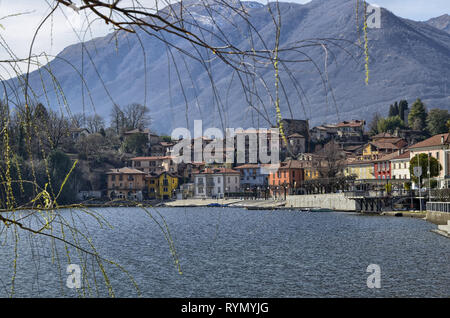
<point x="241" y="203"/>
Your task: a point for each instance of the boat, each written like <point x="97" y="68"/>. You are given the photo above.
<point x="215" y="205"/>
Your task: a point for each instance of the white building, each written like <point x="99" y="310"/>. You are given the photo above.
<point x="215" y="183"/>
<point x="400" y="166"/>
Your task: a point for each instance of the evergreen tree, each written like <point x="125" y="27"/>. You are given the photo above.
<point x="418" y="115"/>
<point x="402" y="108"/>
<point x="437" y="120"/>
<point x="393" y="110"/>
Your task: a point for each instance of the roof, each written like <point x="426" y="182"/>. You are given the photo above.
<point x="219" y="171"/>
<point x="387" y="145"/>
<point x="157" y="175"/>
<point x="352" y="123"/>
<point x="125" y="170"/>
<point x="291" y="164"/>
<point x="296" y="135"/>
<point x="404" y="155"/>
<point x="358" y="162"/>
<point x="434" y="141"/>
<point x="387" y="157"/>
<point x="252" y="166"/>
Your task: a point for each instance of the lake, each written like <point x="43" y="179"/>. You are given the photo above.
<point x="230" y="252"/>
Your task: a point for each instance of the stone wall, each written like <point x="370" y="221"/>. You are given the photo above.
<point x="439" y="218"/>
<point x="333" y="201"/>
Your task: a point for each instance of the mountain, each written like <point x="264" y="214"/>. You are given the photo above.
<point x="408" y="60"/>
<point x="441" y="23"/>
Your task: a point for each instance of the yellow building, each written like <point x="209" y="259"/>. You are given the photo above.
<point x="311" y="173"/>
<point x="363" y="170"/>
<point x="161" y="186"/>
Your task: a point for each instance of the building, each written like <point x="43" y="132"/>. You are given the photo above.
<point x="352" y="130"/>
<point x="382" y="167"/>
<point x="296" y="144"/>
<point x="253" y="176"/>
<point x="287" y="179"/>
<point x="379" y="147"/>
<point x="323" y="133"/>
<point x="154" y="164"/>
<point x="438" y="147"/>
<point x="76" y="133"/>
<point x="400" y="166"/>
<point x="361" y="169"/>
<point x="314" y="165"/>
<point x="186" y="171"/>
<point x="126" y="183"/>
<point x="161" y="186"/>
<point x="216" y="183"/>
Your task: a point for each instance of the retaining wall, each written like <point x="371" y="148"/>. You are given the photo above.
<point x="333" y="201"/>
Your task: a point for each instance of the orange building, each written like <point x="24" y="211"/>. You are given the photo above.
<point x="126" y="183"/>
<point x="287" y="179"/>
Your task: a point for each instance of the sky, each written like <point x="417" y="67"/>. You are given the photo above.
<point x="58" y="33"/>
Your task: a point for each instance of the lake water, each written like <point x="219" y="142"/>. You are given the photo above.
<point x="228" y="252"/>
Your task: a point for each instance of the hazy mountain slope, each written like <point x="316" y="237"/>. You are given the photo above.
<point x="441" y="23"/>
<point x="407" y="60"/>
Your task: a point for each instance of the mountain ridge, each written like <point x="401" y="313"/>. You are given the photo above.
<point x="408" y="59"/>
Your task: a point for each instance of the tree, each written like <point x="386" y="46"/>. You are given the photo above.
<point x="95" y="123"/>
<point x="393" y="110"/>
<point x="373" y="125"/>
<point x="422" y="161"/>
<point x="437" y="121"/>
<point x="137" y="116"/>
<point x="390" y="124"/>
<point x="402" y="108"/>
<point x="334" y="159"/>
<point x="60" y="166"/>
<point x="132" y="116"/>
<point x="136" y="144"/>
<point x="418" y="115"/>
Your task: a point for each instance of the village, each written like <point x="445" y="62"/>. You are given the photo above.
<point x="331" y="158"/>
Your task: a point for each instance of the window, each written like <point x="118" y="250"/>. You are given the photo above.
<point x="113" y="177"/>
<point x="437" y="155"/>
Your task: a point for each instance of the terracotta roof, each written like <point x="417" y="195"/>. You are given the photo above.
<point x="248" y="166"/>
<point x="434" y="141"/>
<point x="253" y="166"/>
<point x="359" y="162"/>
<point x="125" y="170"/>
<point x="352" y="123"/>
<point x="387" y="157"/>
<point x="404" y="155"/>
<point x="387" y="145"/>
<point x="291" y="164"/>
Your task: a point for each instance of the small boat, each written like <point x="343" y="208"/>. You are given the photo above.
<point x="214" y="205"/>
